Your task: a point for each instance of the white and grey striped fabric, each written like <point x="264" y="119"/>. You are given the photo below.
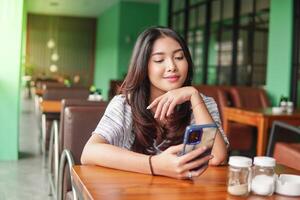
<point x="116" y="123"/>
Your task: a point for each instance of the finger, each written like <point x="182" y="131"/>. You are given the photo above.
<point x="199" y="171"/>
<point x="159" y="107"/>
<point x="171" y="108"/>
<point x="154" y="102"/>
<point x="175" y="149"/>
<point x="164" y="110"/>
<point x="193" y="154"/>
<point x="194" y="164"/>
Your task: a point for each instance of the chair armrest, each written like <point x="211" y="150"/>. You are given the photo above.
<point x="66" y="158"/>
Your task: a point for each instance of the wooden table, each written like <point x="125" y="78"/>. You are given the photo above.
<point x="94" y="182"/>
<point x="39" y="91"/>
<point x="262" y="119"/>
<point x="50" y="106"/>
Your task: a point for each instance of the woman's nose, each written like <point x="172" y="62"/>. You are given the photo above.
<point x="171" y="66"/>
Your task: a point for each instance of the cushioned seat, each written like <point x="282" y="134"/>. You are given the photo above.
<point x="75" y="103"/>
<point x="66" y="93"/>
<point x="57" y="94"/>
<point x="114" y="86"/>
<point x="287" y="154"/>
<point x="284" y="144"/>
<point x="78" y="124"/>
<point x="249" y="97"/>
<point x="242" y="136"/>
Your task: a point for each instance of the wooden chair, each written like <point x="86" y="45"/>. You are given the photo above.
<point x="79" y="122"/>
<point x="56" y="94"/>
<point x="57" y="138"/>
<point x="284" y="144"/>
<point x="242" y="136"/>
<point x="114" y="86"/>
<point x="249" y="97"/>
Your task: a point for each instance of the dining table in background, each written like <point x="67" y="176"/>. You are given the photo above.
<point x="49" y="106"/>
<point x="260" y="118"/>
<point x="39" y="91"/>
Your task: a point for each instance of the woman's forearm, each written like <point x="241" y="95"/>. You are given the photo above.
<point x="114" y="157"/>
<point x="202" y="116"/>
<point x="200" y="111"/>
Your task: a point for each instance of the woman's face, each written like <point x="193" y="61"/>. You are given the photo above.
<point x="167" y="66"/>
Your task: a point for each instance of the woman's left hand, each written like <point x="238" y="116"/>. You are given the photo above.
<point x="166" y="103"/>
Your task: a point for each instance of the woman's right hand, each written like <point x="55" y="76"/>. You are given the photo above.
<point x="168" y="163"/>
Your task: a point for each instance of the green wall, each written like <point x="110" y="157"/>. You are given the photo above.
<point x="280" y="49"/>
<point x="134" y="18"/>
<point x="106" y="64"/>
<point x="11" y="14"/>
<point x="24" y="32"/>
<point x="163" y="12"/>
<point x="117" y="30"/>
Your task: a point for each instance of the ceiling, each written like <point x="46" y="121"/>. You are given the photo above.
<point x="83" y="8"/>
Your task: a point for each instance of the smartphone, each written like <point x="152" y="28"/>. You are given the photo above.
<point x="196" y="136"/>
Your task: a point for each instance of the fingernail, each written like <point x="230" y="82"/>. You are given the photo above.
<point x="148" y="108"/>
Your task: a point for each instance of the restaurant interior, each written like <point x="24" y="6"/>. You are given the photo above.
<point x="62" y="61"/>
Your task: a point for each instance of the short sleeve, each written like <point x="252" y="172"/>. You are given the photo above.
<point x="212" y="108"/>
<point x="115" y="124"/>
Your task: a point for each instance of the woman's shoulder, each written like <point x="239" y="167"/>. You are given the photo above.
<point x="119" y="102"/>
<point x="118" y="99"/>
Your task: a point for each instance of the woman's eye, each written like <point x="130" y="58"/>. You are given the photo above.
<point x="158" y="61"/>
<point x="179" y="57"/>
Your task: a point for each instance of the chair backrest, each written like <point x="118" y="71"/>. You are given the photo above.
<point x="79" y="123"/>
<point x="74" y="103"/>
<point x="114" y="86"/>
<point x="249" y="97"/>
<point x="219" y="94"/>
<point x="66" y="93"/>
<point x="40" y="82"/>
<point x="284" y="144"/>
<point x="282" y="132"/>
<point x="48" y="85"/>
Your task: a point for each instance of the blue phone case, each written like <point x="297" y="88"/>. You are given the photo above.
<point x="196" y="136"/>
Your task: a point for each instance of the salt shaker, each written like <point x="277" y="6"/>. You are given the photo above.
<point x="263" y="176"/>
<point x="290" y="107"/>
<point x="283" y="105"/>
<point x="239" y="172"/>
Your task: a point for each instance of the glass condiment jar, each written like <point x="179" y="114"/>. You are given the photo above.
<point x="290" y="107"/>
<point x="239" y="175"/>
<point x="263" y="176"/>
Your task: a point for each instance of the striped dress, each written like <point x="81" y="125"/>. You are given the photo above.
<point x="116" y="124"/>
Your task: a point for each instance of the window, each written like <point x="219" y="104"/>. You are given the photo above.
<point x="227" y="39"/>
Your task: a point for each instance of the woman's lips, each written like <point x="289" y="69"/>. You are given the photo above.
<point x="171" y="78"/>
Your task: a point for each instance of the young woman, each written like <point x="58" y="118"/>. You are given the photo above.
<point x="142" y="128"/>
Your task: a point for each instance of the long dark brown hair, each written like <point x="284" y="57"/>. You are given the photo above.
<point x="136" y="88"/>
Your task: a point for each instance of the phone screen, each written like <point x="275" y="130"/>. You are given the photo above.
<point x="196" y="136"/>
